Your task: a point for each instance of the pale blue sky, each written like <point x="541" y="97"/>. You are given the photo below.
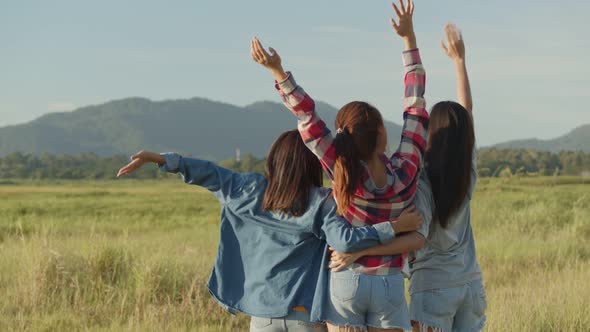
<point x="528" y="60"/>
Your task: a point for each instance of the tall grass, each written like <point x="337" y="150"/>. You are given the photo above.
<point x="131" y="255"/>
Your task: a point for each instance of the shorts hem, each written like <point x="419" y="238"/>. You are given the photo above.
<point x="364" y="327"/>
<point x="405" y="328"/>
<point x="429" y="323"/>
<point x="480" y="325"/>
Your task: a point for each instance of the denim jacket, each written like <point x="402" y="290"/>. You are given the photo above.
<point x="268" y="263"/>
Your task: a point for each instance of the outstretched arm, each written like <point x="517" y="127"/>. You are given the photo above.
<point x="313" y="129"/>
<point x="222" y="182"/>
<point x="455" y="49"/>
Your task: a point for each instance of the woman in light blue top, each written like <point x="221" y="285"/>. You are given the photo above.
<point x="446" y="286"/>
<point x="272" y="258"/>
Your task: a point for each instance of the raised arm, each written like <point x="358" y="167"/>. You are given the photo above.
<point x="455" y="49"/>
<point x="313" y="129"/>
<point x="408" y="156"/>
<point x="222" y="182"/>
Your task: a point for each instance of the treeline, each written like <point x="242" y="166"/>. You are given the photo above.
<point x="92" y="167"/>
<point x="521" y="162"/>
<point x="491" y="163"/>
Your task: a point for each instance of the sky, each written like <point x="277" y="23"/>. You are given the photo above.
<point x="528" y="60"/>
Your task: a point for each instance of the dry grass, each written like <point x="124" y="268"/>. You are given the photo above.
<point x="129" y="255"/>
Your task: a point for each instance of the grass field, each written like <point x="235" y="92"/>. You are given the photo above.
<point x="130" y="255"/>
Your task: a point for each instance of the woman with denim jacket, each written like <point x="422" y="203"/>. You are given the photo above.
<point x="272" y="258"/>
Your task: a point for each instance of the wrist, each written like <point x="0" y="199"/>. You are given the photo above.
<point x="396" y="227"/>
<point x="410" y="41"/>
<point x="158" y="159"/>
<point x="459" y="62"/>
<point x="279" y="74"/>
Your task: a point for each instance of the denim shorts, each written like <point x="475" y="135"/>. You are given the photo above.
<point x="459" y="309"/>
<point x="294" y="322"/>
<point x="363" y="300"/>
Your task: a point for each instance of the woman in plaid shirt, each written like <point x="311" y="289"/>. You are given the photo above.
<point x="370" y="188"/>
<point x="446" y="284"/>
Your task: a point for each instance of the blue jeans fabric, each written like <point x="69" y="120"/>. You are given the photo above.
<point x="363" y="300"/>
<point x="294" y="322"/>
<point x="457" y="309"/>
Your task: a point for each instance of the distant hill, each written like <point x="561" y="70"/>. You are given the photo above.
<point x="197" y="126"/>
<point x="576" y="140"/>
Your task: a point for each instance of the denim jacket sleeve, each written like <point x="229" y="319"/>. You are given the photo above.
<point x="343" y="237"/>
<point x="221" y="181"/>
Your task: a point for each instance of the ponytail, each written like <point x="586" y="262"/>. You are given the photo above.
<point x="347" y="170"/>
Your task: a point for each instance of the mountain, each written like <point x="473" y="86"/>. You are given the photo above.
<point x="196" y="126"/>
<point x="576" y="140"/>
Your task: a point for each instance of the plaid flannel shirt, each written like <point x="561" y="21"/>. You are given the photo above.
<point x="372" y="205"/>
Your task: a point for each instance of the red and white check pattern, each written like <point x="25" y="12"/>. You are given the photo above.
<point x="372" y="205"/>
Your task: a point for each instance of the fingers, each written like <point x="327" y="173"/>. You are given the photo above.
<point x="129" y="168"/>
<point x="411" y="7"/>
<point x="409" y="210"/>
<point x="397" y="12"/>
<point x="253" y="52"/>
<point x="393" y="24"/>
<point x="444" y="47"/>
<point x="257" y="49"/>
<point x="261" y="49"/>
<point x="402" y="6"/>
<point x="123" y="171"/>
<point x="338" y="269"/>
<point x="273" y="52"/>
<point x="257" y="55"/>
<point x="337" y="265"/>
<point x="452" y="32"/>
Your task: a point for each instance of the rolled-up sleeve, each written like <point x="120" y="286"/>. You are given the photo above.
<point x="385" y="231"/>
<point x="172" y="162"/>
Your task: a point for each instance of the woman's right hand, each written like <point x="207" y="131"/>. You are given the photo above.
<point x="138" y="160"/>
<point x="404" y="26"/>
<point x="409" y="221"/>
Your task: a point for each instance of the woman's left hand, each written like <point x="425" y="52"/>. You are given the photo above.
<point x="271" y="61"/>
<point x="341" y="260"/>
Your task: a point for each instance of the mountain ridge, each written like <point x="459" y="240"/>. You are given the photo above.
<point x="197" y="126"/>
<point x="578" y="139"/>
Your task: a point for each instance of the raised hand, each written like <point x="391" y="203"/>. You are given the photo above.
<point x="138" y="160"/>
<point x="410" y="220"/>
<point x="404" y="25"/>
<point x="454" y="47"/>
<point x="270" y="61"/>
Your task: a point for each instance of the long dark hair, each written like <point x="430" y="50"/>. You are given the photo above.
<point x="292" y="170"/>
<point x="358" y="126"/>
<point x="448" y="158"/>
